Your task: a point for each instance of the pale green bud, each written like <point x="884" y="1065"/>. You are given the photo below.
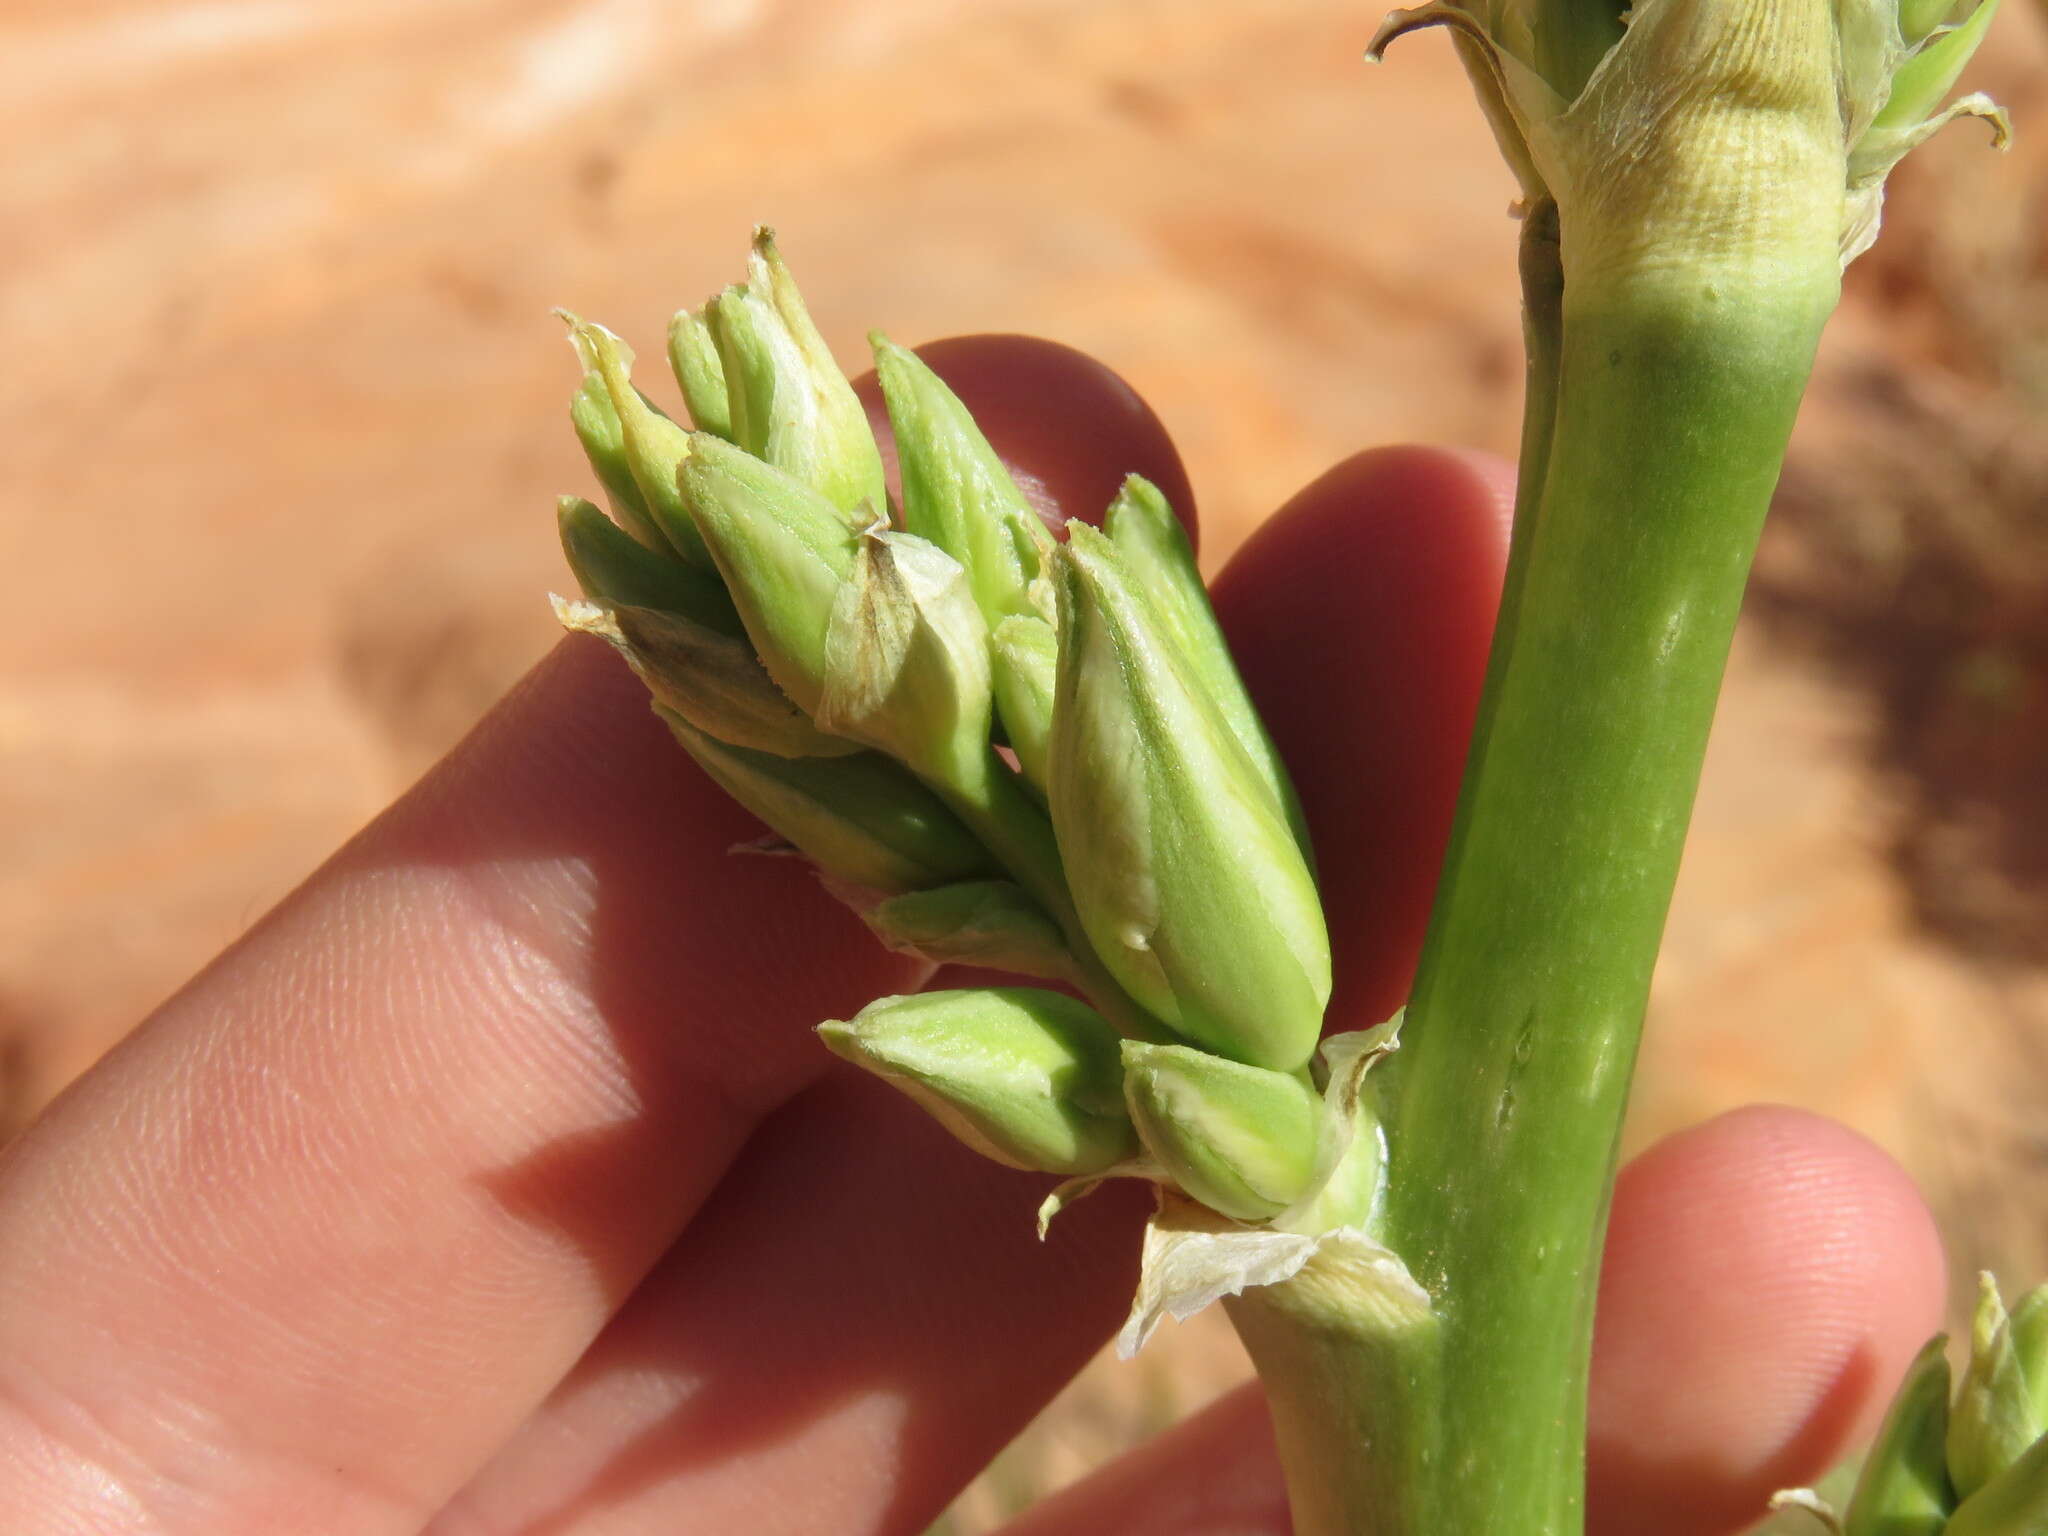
<point x="1913" y="74"/>
<point x="612" y="567"/>
<point x="1154" y="551"/>
<point x="604" y="445"/>
<point x="1184" y="872"/>
<point x="713" y="681"/>
<point x="693" y="355"/>
<point x="1239" y="1139"/>
<point x="784" y="551"/>
<point x="862" y="819"/>
<point x="650" y="445"/>
<point x="2030" y="1343"/>
<point x="1027" y="1077"/>
<point x="2014" y="1503"/>
<point x="957" y="492"/>
<point x="1903" y="1489"/>
<point x="906" y="659"/>
<point x="1994" y="1419"/>
<point x="788" y="403"/>
<point x="1024" y="655"/>
<point x="992" y="924"/>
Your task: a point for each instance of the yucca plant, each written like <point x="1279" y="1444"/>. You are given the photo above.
<point x="1031" y="751"/>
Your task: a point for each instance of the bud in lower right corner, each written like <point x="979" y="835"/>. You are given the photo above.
<point x="2001" y="1407"/>
<point x="1183" y="867"/>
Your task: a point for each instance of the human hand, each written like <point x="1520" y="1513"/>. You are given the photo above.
<point x="494" y="1182"/>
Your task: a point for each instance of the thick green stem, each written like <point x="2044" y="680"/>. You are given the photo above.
<point x="1673" y="402"/>
<point x="1357" y="1403"/>
<point x="1348" y="1372"/>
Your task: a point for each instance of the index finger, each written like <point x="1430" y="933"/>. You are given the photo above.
<point x="396" y="1157"/>
<point x="411" y="1141"/>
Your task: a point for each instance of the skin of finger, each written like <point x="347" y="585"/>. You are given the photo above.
<point x="510" y="1021"/>
<point x="1360" y="617"/>
<point x="1769" y="1276"/>
<point x="1214" y="1474"/>
<point x="861" y="1318"/>
<point x="851" y="1470"/>
<point x="318" y="1235"/>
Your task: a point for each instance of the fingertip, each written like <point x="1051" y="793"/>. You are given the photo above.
<point x="1069" y="428"/>
<point x="1785" y="1270"/>
<point x="1360" y="615"/>
<point x="1217" y="1471"/>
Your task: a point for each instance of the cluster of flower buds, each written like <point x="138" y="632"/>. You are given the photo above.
<point x="1968" y="1459"/>
<point x="1001" y="746"/>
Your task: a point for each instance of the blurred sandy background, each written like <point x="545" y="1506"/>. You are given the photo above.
<point x="284" y="422"/>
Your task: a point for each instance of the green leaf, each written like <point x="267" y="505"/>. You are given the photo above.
<point x="1904" y="1488"/>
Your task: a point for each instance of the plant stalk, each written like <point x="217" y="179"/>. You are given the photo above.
<point x="1349" y="1384"/>
<point x="1673" y="399"/>
<point x="1660" y="398"/>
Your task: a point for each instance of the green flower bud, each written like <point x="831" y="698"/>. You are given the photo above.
<point x="957" y="492"/>
<point x="649" y="445"/>
<point x="2014" y="1503"/>
<point x="1939" y="37"/>
<point x="787" y="401"/>
<point x="1994" y="1420"/>
<point x="1914" y="74"/>
<point x="1239" y="1139"/>
<point x="604" y="445"/>
<point x="2030" y="1343"/>
<point x="1026" y="1077"/>
<point x="1903" y="1489"/>
<point x="713" y="681"/>
<point x="1184" y="872"/>
<point x="906" y="659"/>
<point x="992" y="924"/>
<point x="784" y="551"/>
<point x="1153" y="549"/>
<point x="693" y="355"/>
<point x="1024" y="658"/>
<point x="612" y="567"/>
<point x="861" y="819"/>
